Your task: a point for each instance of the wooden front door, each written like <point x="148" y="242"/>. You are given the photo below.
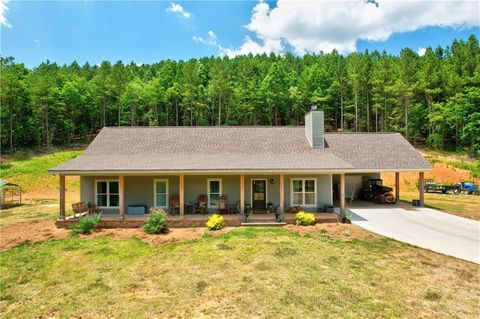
<point x="259" y="195"/>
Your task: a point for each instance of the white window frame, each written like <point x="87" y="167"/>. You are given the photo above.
<point x="167" y="201"/>
<point x="303" y="179"/>
<point x="219" y="180"/>
<point x="108" y="192"/>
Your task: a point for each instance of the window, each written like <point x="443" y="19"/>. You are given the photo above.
<point x="214" y="191"/>
<point x="106" y="193"/>
<point x="304" y="192"/>
<point x="161" y="193"/>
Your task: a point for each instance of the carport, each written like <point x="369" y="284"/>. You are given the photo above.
<point x="346" y="187"/>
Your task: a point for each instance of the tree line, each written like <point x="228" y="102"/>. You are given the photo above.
<point x="432" y="99"/>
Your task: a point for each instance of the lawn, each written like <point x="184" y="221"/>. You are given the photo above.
<point x="245" y="273"/>
<point x="33" y="210"/>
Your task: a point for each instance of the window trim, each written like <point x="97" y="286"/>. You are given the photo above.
<point x="108" y="180"/>
<point x="303" y="179"/>
<point x="167" y="201"/>
<point x="208" y="190"/>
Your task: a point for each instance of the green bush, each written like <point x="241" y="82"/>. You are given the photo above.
<point x="85" y="225"/>
<point x="305" y="219"/>
<point x="156" y="222"/>
<point x="215" y="222"/>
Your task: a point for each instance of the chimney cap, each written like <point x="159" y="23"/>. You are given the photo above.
<point x="313" y="108"/>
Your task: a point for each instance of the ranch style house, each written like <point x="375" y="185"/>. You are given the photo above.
<point x="193" y="171"/>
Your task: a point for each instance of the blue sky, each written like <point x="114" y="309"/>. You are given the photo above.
<point x="148" y="31"/>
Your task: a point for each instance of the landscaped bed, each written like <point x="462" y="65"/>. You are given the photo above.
<point x="296" y="272"/>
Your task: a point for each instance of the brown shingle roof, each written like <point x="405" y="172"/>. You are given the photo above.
<point x="239" y="148"/>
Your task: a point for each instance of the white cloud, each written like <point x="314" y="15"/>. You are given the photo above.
<point x="212" y="34"/>
<point x="253" y="47"/>
<point x="249" y="46"/>
<point x="178" y="9"/>
<point x="421" y="51"/>
<point x="3" y="10"/>
<point x="316" y="25"/>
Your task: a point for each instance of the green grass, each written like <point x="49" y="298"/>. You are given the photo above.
<point x="31" y="171"/>
<point x="245" y="273"/>
<point x="32" y="211"/>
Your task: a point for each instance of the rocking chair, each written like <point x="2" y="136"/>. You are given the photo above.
<point x="223" y="204"/>
<point x="174" y="204"/>
<point x="202" y="204"/>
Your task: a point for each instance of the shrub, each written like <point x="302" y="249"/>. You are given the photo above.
<point x="215" y="222"/>
<point x="85" y="225"/>
<point x="156" y="222"/>
<point x="305" y="219"/>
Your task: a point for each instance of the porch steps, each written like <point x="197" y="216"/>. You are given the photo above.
<point x="263" y="224"/>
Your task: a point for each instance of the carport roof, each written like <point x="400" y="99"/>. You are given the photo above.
<point x="174" y="149"/>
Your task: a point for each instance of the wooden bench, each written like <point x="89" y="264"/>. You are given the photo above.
<point x="82" y="209"/>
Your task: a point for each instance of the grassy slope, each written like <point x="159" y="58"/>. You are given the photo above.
<point x="31" y="171"/>
<point x="246" y="273"/>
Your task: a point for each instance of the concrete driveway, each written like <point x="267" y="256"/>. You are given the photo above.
<point x="424" y="227"/>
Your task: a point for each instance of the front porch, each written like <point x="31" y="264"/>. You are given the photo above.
<point x="114" y="196"/>
<point x="188" y="199"/>
<point x="231" y="220"/>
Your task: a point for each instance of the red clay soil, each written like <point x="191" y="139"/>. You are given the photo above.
<point x="30" y="232"/>
<point x="37" y="231"/>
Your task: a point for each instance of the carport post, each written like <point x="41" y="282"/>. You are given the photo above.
<point x="421" y="188"/>
<point x="397" y="187"/>
<point x="342" y="195"/>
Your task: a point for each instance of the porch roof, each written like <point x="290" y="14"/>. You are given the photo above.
<point x="171" y="149"/>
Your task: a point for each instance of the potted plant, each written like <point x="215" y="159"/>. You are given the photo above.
<point x="246" y="213"/>
<point x="269" y="208"/>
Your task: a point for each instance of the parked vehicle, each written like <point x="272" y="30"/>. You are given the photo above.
<point x="431" y="186"/>
<point x="375" y="191"/>
<point x="466" y="188"/>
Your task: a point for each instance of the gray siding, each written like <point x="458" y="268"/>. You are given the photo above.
<point x="314" y="128"/>
<point x="197" y="185"/>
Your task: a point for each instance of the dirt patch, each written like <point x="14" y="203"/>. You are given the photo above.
<point x="30" y="232"/>
<point x="37" y="231"/>
<point x="174" y="235"/>
<point x="441" y="173"/>
<point x="70" y="196"/>
<point x="343" y="232"/>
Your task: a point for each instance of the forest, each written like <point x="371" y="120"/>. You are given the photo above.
<point x="433" y="99"/>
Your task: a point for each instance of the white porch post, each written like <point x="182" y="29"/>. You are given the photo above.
<point x="242" y="194"/>
<point x="121" y="199"/>
<point x="62" y="197"/>
<point x="397" y="186"/>
<point x="342" y="195"/>
<point x="421" y="188"/>
<point x="181" y="185"/>
<point x="282" y="193"/>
